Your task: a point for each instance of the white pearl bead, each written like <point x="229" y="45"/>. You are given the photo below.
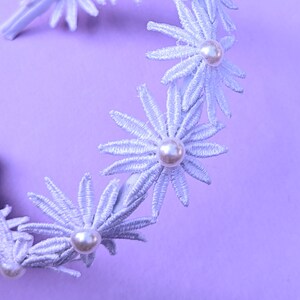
<point x="12" y="270"/>
<point x="212" y="52"/>
<point x="85" y="241"/>
<point x="171" y="153"/>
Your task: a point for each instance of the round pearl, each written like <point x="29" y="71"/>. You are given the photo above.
<point x="171" y="152"/>
<point x="85" y="241"/>
<point x="212" y="52"/>
<point x="12" y="270"/>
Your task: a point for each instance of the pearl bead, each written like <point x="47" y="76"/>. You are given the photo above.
<point x="85" y="241"/>
<point x="212" y="52"/>
<point x="171" y="152"/>
<point x="12" y="270"/>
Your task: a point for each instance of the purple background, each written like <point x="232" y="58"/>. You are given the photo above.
<point x="240" y="237"/>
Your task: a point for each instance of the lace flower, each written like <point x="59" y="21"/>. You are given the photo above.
<point x="17" y="253"/>
<point x="31" y="9"/>
<point x="10" y="254"/>
<point x="67" y="9"/>
<point x="202" y="63"/>
<point x="79" y="231"/>
<point x="166" y="152"/>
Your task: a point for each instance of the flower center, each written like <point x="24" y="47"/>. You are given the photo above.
<point x="13" y="270"/>
<point x="85" y="241"/>
<point x="212" y="52"/>
<point x="171" y="152"/>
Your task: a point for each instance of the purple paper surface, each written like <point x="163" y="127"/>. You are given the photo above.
<point x="240" y="237"/>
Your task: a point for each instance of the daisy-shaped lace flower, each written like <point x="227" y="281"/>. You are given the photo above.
<point x="217" y="8"/>
<point x="31" y="9"/>
<point x="202" y="63"/>
<point x="166" y="152"/>
<point x="67" y="9"/>
<point x="17" y="253"/>
<point x="10" y="255"/>
<point x="79" y="231"/>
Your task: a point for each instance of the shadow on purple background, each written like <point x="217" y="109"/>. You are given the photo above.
<point x="240" y="237"/>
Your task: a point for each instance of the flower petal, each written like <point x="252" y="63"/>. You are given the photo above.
<point x="118" y="217"/>
<point x="39" y="261"/>
<point x="211" y="6"/>
<point x="227" y="42"/>
<point x="228" y="24"/>
<point x="173" y="31"/>
<point x="89" y="7"/>
<point x="128" y="147"/>
<point x="86" y="199"/>
<point x="71" y="17"/>
<point x="57" y="13"/>
<point x="45" y="229"/>
<point x="204" y="150"/>
<point x="6" y="211"/>
<point x="131" y="225"/>
<point x="144" y="182"/>
<point x="160" y="190"/>
<point x="106" y="204"/>
<point x="15" y="222"/>
<point x="132" y="125"/>
<point x="195" y="87"/>
<point x="50" y="209"/>
<point x="202" y="19"/>
<point x="187" y="19"/>
<point x="20" y="250"/>
<point x="62" y="269"/>
<point x="136" y="236"/>
<point x="50" y="246"/>
<point x="233" y="69"/>
<point x="64" y="204"/>
<point x="173" y="110"/>
<point x="173" y="52"/>
<point x="223" y="103"/>
<point x="152" y="110"/>
<point x="110" y="245"/>
<point x="88" y="259"/>
<point x="180" y="185"/>
<point x="135" y="164"/>
<point x="230" y="82"/>
<point x="229" y="4"/>
<point x="182" y="69"/>
<point x="210" y="87"/>
<point x="195" y="169"/>
<point x="203" y="132"/>
<point x="190" y="120"/>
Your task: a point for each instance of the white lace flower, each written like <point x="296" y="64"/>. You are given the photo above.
<point x="17" y="253"/>
<point x="67" y="9"/>
<point x="79" y="231"/>
<point x="203" y="63"/>
<point x="11" y="256"/>
<point x="166" y="152"/>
